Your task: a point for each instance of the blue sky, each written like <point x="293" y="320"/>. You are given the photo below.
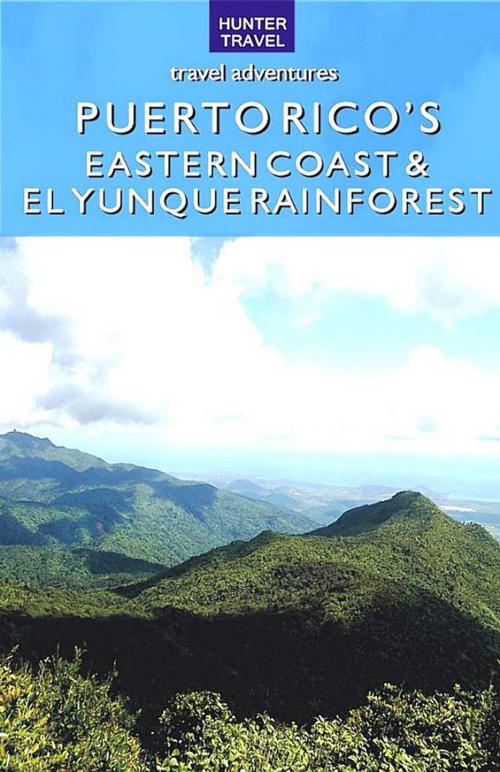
<point x="372" y="335"/>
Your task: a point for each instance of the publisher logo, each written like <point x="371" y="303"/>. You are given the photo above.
<point x="252" y="26"/>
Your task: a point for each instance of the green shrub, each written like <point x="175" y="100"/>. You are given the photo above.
<point x="394" y="732"/>
<point x="55" y="719"/>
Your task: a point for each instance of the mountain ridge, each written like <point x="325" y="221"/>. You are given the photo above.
<point x="370" y="516"/>
<point x="412" y="538"/>
<point x="53" y="496"/>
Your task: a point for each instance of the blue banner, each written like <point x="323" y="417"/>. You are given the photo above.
<point x="117" y="119"/>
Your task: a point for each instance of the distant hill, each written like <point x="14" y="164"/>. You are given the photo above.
<point x="319" y="501"/>
<point x="277" y="496"/>
<point x="55" y="497"/>
<point x="324" y="502"/>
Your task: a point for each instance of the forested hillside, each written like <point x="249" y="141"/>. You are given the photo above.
<point x="404" y="546"/>
<point x="55" y="497"/>
<point x="77" y="567"/>
<point x="295" y="625"/>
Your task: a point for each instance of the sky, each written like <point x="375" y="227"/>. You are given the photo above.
<point x="263" y="355"/>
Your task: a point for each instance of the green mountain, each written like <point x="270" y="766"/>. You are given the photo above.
<point x="78" y="567"/>
<point x="299" y="626"/>
<point x="55" y="497"/>
<point x="395" y="547"/>
<point x="412" y="598"/>
<point x="370" y="516"/>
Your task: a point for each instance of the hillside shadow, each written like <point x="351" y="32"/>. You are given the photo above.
<point x="295" y="666"/>
<point x="12" y="531"/>
<point x="38" y="469"/>
<point x="98" y="501"/>
<point x="71" y="531"/>
<point x="105" y="562"/>
<point x="194" y="498"/>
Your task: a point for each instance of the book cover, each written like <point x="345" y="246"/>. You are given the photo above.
<point x="249" y="414"/>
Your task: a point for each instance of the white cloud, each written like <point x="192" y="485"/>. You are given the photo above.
<point x="132" y="331"/>
<point x="443" y="277"/>
<point x="24" y="375"/>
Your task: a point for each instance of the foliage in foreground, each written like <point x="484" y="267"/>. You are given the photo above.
<point x="394" y="731"/>
<point x="56" y="719"/>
